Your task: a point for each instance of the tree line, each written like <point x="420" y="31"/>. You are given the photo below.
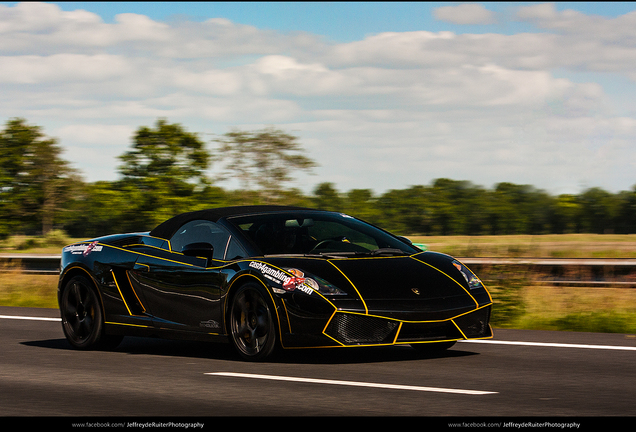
<point x="165" y="172"/>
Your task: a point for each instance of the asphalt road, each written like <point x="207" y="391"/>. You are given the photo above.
<point x="519" y="373"/>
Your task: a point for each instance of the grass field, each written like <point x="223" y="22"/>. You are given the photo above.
<point x="27" y="290"/>
<point x="605" y="310"/>
<point x="539" y="246"/>
<point x="519" y="302"/>
<point x="51" y="243"/>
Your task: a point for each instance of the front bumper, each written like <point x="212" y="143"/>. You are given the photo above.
<point x="350" y="329"/>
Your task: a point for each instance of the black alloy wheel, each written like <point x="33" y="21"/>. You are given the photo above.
<point x="82" y="319"/>
<point x="252" y="327"/>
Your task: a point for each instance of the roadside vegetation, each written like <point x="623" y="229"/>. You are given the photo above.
<point x="520" y="302"/>
<point x="534" y="246"/>
<point x="45" y="203"/>
<point x="27" y="290"/>
<point x="168" y="170"/>
<point x="520" y="306"/>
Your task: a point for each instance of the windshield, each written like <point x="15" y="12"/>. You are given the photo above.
<point x="318" y="233"/>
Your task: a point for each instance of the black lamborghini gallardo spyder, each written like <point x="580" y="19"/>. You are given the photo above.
<point x="268" y="277"/>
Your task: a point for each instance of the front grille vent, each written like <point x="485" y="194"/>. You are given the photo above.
<point x="352" y="329"/>
<point x="475" y="324"/>
<point x="431" y="331"/>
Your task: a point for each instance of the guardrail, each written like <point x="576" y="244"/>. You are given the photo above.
<point x="621" y="262"/>
<point x="36" y="263"/>
<point x="589" y="272"/>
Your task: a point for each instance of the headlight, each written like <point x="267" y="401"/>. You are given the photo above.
<point x="308" y="283"/>
<point x="472" y="280"/>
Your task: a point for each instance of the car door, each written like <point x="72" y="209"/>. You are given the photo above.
<point x="183" y="292"/>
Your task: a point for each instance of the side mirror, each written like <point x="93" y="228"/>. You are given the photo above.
<point x="205" y="250"/>
<point x="420" y="246"/>
<point x="405" y="240"/>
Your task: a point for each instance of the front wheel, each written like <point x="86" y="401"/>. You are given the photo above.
<point x="252" y="328"/>
<point x="82" y="319"/>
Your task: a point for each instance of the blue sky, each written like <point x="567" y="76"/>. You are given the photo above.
<point x="383" y="95"/>
<point x="339" y="21"/>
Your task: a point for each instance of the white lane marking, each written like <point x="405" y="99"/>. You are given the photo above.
<point x="555" y="345"/>
<point x="352" y="383"/>
<point x="30" y="318"/>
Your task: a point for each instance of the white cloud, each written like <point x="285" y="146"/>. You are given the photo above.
<point x="30" y="69"/>
<point x="586" y="42"/>
<point x="573" y="22"/>
<point x="388" y="111"/>
<point x="467" y="13"/>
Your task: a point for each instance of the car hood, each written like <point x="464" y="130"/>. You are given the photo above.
<point x="427" y="282"/>
<point x="389" y="278"/>
<point x="427" y="286"/>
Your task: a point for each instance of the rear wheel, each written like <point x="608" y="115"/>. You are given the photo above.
<point x="82" y="318"/>
<point x="252" y="328"/>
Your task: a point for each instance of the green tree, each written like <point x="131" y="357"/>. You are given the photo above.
<point x="450" y="199"/>
<point x="598" y="211"/>
<point x="361" y="204"/>
<point x="166" y="153"/>
<point x="567" y="214"/>
<point x="406" y="211"/>
<point x="167" y="165"/>
<point x="521" y="209"/>
<point x="89" y="218"/>
<point x="326" y="197"/>
<point x="35" y="182"/>
<point x="626" y="212"/>
<point x="265" y="159"/>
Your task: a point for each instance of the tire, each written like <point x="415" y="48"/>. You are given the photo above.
<point x="82" y="318"/>
<point x="252" y="327"/>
